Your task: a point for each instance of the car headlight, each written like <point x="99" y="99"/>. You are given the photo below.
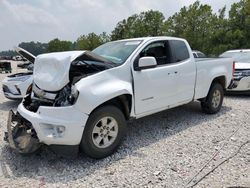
<point x="21" y="78"/>
<point x="74" y="95"/>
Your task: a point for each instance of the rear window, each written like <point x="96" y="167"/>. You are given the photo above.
<point x="180" y="50"/>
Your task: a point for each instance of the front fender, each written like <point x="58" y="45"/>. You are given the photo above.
<point x="94" y="91"/>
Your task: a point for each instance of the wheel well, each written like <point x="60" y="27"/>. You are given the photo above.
<point x="123" y="102"/>
<point x="221" y="80"/>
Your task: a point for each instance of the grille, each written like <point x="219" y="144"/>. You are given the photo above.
<point x="238" y="73"/>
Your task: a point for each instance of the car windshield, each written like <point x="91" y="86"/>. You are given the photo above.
<point x="118" y="51"/>
<point x="243" y="57"/>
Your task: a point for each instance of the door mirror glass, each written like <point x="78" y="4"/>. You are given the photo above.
<point x="146" y="63"/>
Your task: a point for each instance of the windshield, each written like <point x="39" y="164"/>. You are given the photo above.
<point x="118" y="51"/>
<point x="243" y="57"/>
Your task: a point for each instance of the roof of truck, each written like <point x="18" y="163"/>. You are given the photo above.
<point x="150" y="38"/>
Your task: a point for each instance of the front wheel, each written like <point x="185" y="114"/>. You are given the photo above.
<point x="103" y="132"/>
<point x="213" y="102"/>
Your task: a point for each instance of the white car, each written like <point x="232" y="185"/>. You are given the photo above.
<point x="16" y="86"/>
<point x="242" y="70"/>
<point x="198" y="54"/>
<point x="82" y="99"/>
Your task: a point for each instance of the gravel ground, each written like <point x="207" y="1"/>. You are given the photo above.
<point x="163" y="150"/>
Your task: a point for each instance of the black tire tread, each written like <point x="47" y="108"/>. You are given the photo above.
<point x="206" y="104"/>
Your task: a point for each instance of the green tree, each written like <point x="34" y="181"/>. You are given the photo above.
<point x="194" y="23"/>
<point x="10" y="53"/>
<point x="35" y="48"/>
<point x="219" y="40"/>
<point x="91" y="41"/>
<point x="239" y="21"/>
<point x="145" y="24"/>
<point x="57" y="45"/>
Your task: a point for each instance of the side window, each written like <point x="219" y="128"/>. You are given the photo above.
<point x="157" y="50"/>
<point x="180" y="50"/>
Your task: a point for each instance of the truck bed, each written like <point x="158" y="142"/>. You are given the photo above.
<point x="205" y="59"/>
<point x="207" y="70"/>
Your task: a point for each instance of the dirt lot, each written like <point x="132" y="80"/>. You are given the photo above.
<point x="163" y="150"/>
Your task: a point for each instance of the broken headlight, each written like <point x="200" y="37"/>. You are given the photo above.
<point x="67" y="96"/>
<point x="74" y="95"/>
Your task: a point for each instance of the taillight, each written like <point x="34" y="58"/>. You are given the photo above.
<point x="233" y="67"/>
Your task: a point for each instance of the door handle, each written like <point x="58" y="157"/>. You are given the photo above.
<point x="175" y="72"/>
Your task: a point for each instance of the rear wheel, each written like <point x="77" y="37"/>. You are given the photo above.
<point x="103" y="132"/>
<point x="213" y="102"/>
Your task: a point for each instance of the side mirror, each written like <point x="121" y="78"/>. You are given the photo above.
<point x="146" y="63"/>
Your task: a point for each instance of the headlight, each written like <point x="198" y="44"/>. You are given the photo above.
<point x="74" y="95"/>
<point x="21" y="78"/>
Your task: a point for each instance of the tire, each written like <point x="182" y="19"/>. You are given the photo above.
<point x="213" y="102"/>
<point x="96" y="145"/>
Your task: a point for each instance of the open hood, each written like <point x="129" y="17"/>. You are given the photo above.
<point x="25" y="54"/>
<point x="51" y="71"/>
<point x="239" y="65"/>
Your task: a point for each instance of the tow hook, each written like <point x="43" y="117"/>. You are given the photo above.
<point x="21" y="136"/>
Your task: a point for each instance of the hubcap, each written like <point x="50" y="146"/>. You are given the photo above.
<point x="105" y="132"/>
<point x="216" y="99"/>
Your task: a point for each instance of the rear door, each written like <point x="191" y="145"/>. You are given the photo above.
<point x="186" y="71"/>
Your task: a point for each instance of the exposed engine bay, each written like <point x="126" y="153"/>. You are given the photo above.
<point x="68" y="94"/>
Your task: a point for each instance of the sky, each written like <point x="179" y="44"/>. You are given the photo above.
<point x="44" y="20"/>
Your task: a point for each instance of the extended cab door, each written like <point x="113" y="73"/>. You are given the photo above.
<point x="170" y="83"/>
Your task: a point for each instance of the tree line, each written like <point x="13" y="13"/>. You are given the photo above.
<point x="212" y="33"/>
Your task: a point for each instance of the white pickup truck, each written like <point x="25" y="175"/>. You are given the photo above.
<point x="82" y="100"/>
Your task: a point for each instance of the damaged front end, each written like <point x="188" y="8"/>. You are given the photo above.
<point x="21" y="135"/>
<point x="55" y="76"/>
<point x="82" y="66"/>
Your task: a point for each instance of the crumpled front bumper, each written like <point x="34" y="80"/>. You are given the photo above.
<point x="56" y="125"/>
<point x="53" y="126"/>
<point x="19" y="139"/>
<point x="8" y="137"/>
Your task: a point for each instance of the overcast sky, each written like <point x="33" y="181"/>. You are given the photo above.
<point x="43" y="20"/>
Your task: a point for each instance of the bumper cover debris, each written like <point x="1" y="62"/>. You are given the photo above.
<point x="21" y="136"/>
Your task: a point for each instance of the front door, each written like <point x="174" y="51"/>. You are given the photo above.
<point x="161" y="87"/>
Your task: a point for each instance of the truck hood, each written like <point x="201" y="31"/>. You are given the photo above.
<point x="30" y="57"/>
<point x="239" y="65"/>
<point x="51" y="71"/>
